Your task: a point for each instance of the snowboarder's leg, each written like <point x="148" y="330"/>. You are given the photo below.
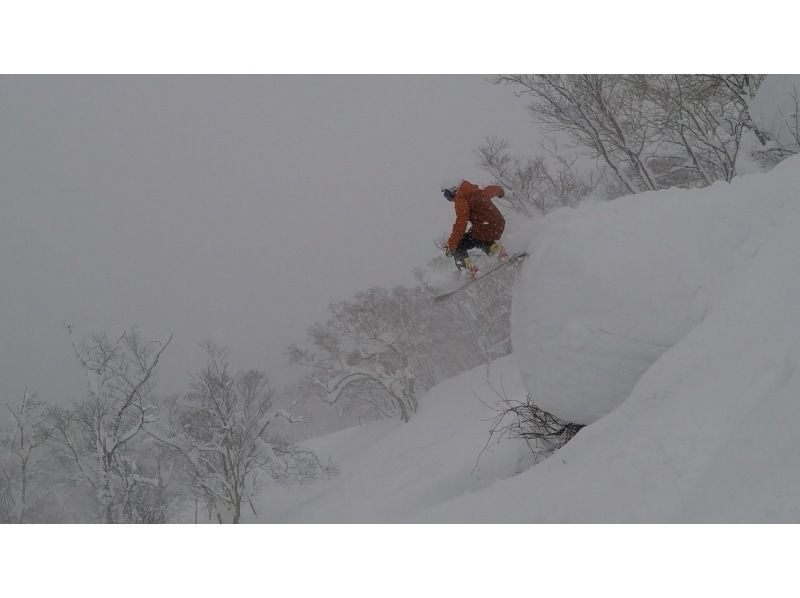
<point x="494" y="248"/>
<point x="461" y="255"/>
<point x="484" y="246"/>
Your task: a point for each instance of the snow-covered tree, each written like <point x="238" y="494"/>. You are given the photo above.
<point x="471" y="327"/>
<point x="21" y="448"/>
<point x="382" y="349"/>
<point x="96" y="433"/>
<point x="486" y="306"/>
<point x="221" y="428"/>
<point x="367" y="351"/>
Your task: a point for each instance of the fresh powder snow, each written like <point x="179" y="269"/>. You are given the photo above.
<point x="666" y="322"/>
<point x="669" y="323"/>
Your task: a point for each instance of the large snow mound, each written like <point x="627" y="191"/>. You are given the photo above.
<point x="708" y="433"/>
<point x="610" y="287"/>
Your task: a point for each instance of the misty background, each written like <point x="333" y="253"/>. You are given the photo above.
<point x="232" y="207"/>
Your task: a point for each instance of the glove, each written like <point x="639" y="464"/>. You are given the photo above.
<point x="502" y="192"/>
<point x="447" y="252"/>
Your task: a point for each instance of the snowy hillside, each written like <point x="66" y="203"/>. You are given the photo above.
<point x="609" y="288"/>
<point x="708" y="432"/>
<point x="666" y="322"/>
<point x="669" y="322"/>
<point x="388" y="470"/>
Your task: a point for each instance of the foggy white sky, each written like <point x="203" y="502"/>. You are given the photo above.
<point x="230" y="207"/>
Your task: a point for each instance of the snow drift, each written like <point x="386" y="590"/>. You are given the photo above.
<point x="610" y="287"/>
<point x="708" y="433"/>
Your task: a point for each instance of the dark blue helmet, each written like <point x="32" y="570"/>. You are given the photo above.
<point x="450" y="187"/>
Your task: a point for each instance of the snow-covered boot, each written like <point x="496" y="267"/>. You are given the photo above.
<point x="498" y="251"/>
<point x="471" y="268"/>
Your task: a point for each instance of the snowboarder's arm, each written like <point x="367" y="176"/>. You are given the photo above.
<point x="493" y="191"/>
<point x="460" y="226"/>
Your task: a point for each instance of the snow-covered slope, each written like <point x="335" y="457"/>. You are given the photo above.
<point x="388" y="471"/>
<point x="610" y="287"/>
<point x="705" y="433"/>
<point x="708" y="433"/>
<point x="669" y="322"/>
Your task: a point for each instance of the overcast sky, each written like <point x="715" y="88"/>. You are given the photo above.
<point x="229" y="207"/>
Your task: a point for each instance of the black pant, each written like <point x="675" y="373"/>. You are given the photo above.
<point x="469" y="242"/>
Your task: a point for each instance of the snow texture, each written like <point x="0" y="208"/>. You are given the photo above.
<point x="610" y="287"/>
<point x="388" y="470"/>
<point x="775" y="106"/>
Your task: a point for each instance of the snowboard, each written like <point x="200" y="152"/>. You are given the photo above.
<point x="514" y="259"/>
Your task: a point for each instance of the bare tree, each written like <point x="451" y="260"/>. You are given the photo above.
<point x="119" y="404"/>
<point x="542" y="432"/>
<point x="220" y="429"/>
<point x="7" y="488"/>
<point x="548" y="181"/>
<point x="592" y="110"/>
<point x="651" y="131"/>
<point x="698" y="123"/>
<point x="743" y="88"/>
<point x="790" y="124"/>
<point x="20" y="481"/>
<point x="474" y="323"/>
<point x="471" y="328"/>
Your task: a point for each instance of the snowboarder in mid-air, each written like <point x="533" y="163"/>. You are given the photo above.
<point x="474" y="206"/>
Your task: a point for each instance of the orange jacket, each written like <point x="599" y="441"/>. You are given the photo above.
<point x="474" y="205"/>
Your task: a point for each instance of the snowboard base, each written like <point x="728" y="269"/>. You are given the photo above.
<point x="514" y="259"/>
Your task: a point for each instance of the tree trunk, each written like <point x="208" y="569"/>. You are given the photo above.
<point x="107" y="503"/>
<point x="24" y="497"/>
